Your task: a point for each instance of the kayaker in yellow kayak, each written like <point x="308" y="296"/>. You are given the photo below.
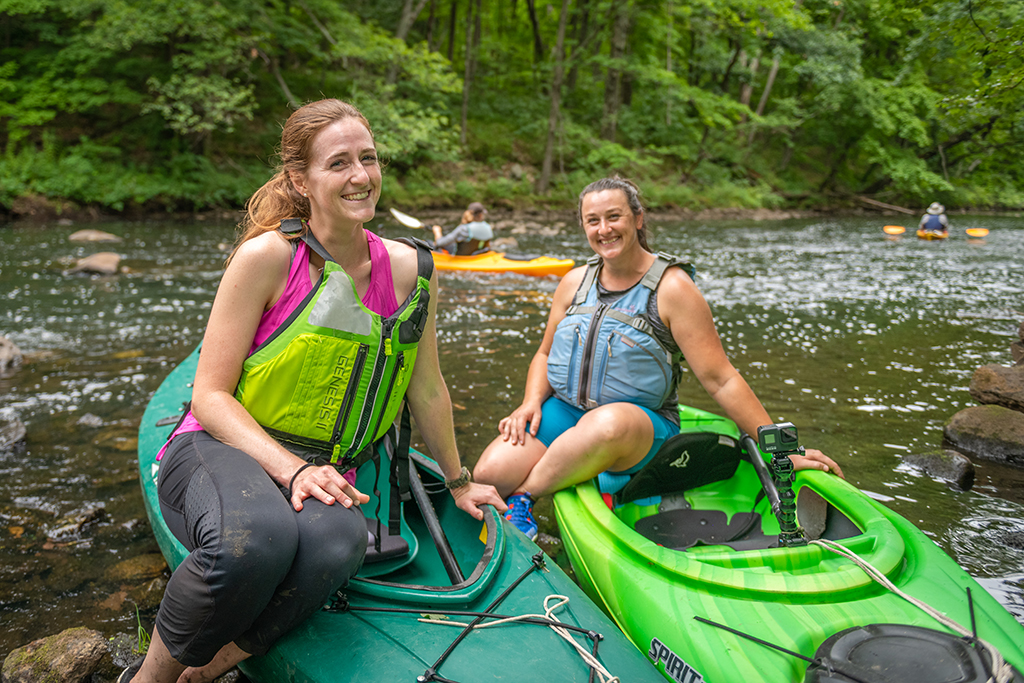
<point x="601" y="389"/>
<point x="934" y="219"/>
<point x="472" y="236"/>
<point x="318" y="333"/>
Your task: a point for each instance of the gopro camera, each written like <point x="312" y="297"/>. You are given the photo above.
<point x="778" y="438"/>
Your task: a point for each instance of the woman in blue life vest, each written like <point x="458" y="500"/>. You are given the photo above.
<point x="598" y="397"/>
<point x="273" y="530"/>
<point x="934" y="219"/>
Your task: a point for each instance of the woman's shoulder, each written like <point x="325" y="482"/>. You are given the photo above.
<point x="267" y="249"/>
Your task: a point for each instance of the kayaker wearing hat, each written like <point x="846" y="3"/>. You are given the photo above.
<point x="605" y="399"/>
<point x="472" y="236"/>
<point x="319" y="333"/>
<point x="935" y="219"/>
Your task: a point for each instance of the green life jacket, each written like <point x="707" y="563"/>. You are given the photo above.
<point x="333" y="377"/>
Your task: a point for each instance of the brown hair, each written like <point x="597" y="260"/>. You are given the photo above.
<point x="628" y="188"/>
<point x="278" y="199"/>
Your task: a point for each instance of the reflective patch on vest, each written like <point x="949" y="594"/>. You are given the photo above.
<point x="724" y="440"/>
<point x="675" y="667"/>
<point x="337" y="307"/>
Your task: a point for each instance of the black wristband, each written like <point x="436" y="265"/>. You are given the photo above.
<point x="297" y="472"/>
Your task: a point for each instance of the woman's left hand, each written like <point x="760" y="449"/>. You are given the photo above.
<point x="470" y="497"/>
<point x="813" y="459"/>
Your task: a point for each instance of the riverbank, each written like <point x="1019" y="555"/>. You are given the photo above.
<point x="45" y="213"/>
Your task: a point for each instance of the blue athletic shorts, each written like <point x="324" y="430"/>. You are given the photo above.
<point x="557" y="417"/>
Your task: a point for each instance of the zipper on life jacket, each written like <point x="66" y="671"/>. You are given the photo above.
<point x="384" y="349"/>
<point x="346" y="405"/>
<point x="599" y="376"/>
<point x="399" y="364"/>
<point x="583" y="399"/>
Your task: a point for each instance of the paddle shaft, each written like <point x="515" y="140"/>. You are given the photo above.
<point x="444" y="548"/>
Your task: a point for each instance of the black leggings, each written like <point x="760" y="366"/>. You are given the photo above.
<point x="256" y="568"/>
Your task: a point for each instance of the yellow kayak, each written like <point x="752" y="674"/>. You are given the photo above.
<point x="932" y="234"/>
<point x="497" y="262"/>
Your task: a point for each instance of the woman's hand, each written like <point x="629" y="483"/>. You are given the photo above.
<point x="470" y="497"/>
<point x="813" y="459"/>
<point x="326" y="485"/>
<point x="513" y="427"/>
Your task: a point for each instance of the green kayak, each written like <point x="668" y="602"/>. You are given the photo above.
<point x="399" y="619"/>
<point x="686" y="559"/>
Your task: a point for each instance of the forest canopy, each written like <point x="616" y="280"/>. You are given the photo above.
<point x="129" y="105"/>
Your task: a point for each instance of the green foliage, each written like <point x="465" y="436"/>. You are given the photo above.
<point x="167" y="104"/>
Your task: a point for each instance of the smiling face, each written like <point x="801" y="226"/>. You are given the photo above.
<point x="609" y="224"/>
<point x="342" y="180"/>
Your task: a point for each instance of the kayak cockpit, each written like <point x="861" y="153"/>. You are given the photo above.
<point x="441" y="551"/>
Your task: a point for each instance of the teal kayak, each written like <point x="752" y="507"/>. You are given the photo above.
<point x="687" y="561"/>
<point x="398" y="620"/>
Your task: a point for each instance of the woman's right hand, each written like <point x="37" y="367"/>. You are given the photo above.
<point x="326" y="485"/>
<point x="513" y="427"/>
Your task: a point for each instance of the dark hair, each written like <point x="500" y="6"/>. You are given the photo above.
<point x="628" y="188"/>
<point x="278" y="199"/>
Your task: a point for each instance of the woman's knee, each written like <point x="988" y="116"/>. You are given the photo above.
<point x="337" y="535"/>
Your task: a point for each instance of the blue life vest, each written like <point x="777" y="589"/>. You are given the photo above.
<point x="933" y="223"/>
<point x="608" y="353"/>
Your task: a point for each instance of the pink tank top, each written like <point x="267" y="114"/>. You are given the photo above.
<point x="379" y="298"/>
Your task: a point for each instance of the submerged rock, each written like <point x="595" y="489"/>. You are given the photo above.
<point x="72" y="656"/>
<point x="104" y="263"/>
<point x="999" y="385"/>
<point x="10" y="357"/>
<point x="990" y="432"/>
<point x="950" y="465"/>
<point x="137" y="569"/>
<point x="12" y="436"/>
<point x="91" y="235"/>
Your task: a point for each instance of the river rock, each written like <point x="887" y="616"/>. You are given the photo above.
<point x="104" y="263"/>
<point x="72" y="527"/>
<point x="1017" y="352"/>
<point x="10" y="357"/>
<point x="954" y="467"/>
<point x="999" y="385"/>
<point x="12" y="436"/>
<point x="93" y="236"/>
<point x="72" y="656"/>
<point x="137" y="569"/>
<point x="990" y="432"/>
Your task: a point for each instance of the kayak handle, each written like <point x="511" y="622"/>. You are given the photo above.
<point x="767" y="483"/>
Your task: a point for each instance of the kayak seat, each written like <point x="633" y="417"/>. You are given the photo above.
<point x="685" y="461"/>
<point x="684" y="529"/>
<point x="391" y="547"/>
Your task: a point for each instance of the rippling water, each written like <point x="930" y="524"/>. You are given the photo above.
<point x="866" y="342"/>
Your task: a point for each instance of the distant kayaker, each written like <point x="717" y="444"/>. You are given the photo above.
<point x="472" y="236"/>
<point x="575" y="421"/>
<point x="251" y="481"/>
<point x="934" y="219"/>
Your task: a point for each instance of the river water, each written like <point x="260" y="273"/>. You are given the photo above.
<point x="867" y="343"/>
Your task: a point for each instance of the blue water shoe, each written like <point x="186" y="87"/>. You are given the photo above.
<point x="520" y="514"/>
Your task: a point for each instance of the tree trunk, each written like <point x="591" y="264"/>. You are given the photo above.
<point x="764" y="95"/>
<point x="613" y="77"/>
<point x="467" y="72"/>
<point x="748" y="88"/>
<point x="556" y="101"/>
<point x="538" y="43"/>
<point x="431" y="21"/>
<point x="410" y="11"/>
<point x="451" y="29"/>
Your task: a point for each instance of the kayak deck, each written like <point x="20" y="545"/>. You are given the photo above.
<point x="795" y="598"/>
<point x="932" y="235"/>
<point x="365" y="635"/>
<point x="498" y="262"/>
